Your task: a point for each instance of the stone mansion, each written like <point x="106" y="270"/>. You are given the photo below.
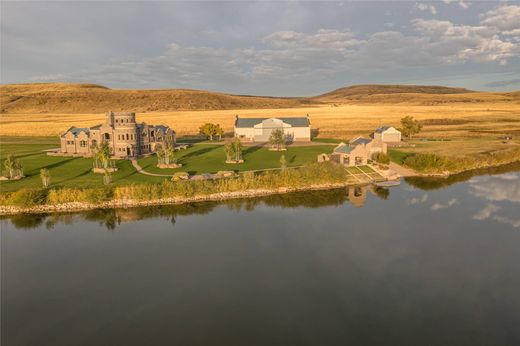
<point x="125" y="137"/>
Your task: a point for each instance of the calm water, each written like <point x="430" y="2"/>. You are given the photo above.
<point x="426" y="263"/>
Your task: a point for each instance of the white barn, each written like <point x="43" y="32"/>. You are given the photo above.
<point x="297" y="129"/>
<point x="387" y="134"/>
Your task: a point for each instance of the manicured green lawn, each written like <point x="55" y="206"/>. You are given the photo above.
<point x="65" y="171"/>
<point x="76" y="172"/>
<point x="209" y="158"/>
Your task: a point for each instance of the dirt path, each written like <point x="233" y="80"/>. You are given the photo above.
<point x="402" y="171"/>
<point x="142" y="171"/>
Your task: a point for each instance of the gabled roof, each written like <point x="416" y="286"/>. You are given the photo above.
<point x="361" y="140"/>
<point x="163" y="128"/>
<point x="96" y="127"/>
<point x="76" y="131"/>
<point x="382" y="129"/>
<point x="293" y="121"/>
<point x="344" y="149"/>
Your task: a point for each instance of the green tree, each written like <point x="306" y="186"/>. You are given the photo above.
<point x="46" y="177"/>
<point x="102" y="155"/>
<point x="211" y="130"/>
<point x="410" y="126"/>
<point x="237" y="149"/>
<point x="277" y="139"/>
<point x="9" y="165"/>
<point x="233" y="150"/>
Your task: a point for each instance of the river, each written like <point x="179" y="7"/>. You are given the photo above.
<point x="431" y="262"/>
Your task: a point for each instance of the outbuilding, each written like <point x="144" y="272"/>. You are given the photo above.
<point x="297" y="129"/>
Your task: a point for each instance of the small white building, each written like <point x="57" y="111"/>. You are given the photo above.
<point x="297" y="129"/>
<point x="387" y="134"/>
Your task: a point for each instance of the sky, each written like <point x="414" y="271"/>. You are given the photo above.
<point x="262" y="48"/>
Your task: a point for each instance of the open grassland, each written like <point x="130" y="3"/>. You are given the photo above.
<point x="470" y="128"/>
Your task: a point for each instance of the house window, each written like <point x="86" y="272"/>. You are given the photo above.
<point x="127" y="136"/>
<point x="106" y="136"/>
<point x="83" y="143"/>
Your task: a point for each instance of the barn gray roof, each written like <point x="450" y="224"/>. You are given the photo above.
<point x="76" y="130"/>
<point x="361" y="140"/>
<point x="382" y="129"/>
<point x="293" y="121"/>
<point x="344" y="149"/>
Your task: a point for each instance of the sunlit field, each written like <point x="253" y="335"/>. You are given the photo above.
<point x="471" y="128"/>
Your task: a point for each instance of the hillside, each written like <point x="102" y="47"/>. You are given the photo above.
<point x="413" y="94"/>
<point x="67" y="98"/>
<point x="91" y="98"/>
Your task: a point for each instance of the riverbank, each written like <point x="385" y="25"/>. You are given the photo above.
<point x="129" y="203"/>
<point x="311" y="177"/>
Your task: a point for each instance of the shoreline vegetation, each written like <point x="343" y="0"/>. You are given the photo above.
<point x="433" y="165"/>
<point x="311" y="177"/>
<point x="322" y="176"/>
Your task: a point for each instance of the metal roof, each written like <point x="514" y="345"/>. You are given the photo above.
<point x="344" y="149"/>
<point x="361" y="140"/>
<point x="293" y="121"/>
<point x="382" y="129"/>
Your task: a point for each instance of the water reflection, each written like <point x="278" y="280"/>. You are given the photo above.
<point x="112" y="218"/>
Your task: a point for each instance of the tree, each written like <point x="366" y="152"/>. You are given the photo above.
<point x="18" y="168"/>
<point x="102" y="155"/>
<point x="283" y="163"/>
<point x="410" y="126"/>
<point x="237" y="149"/>
<point x="9" y="165"/>
<point x="220" y="132"/>
<point x="278" y="139"/>
<point x="233" y="150"/>
<point x="165" y="155"/>
<point x="46" y="177"/>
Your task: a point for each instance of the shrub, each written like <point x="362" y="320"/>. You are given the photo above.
<point x="382" y="158"/>
<point x="27" y="197"/>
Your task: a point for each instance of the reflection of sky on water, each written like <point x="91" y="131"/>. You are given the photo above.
<point x="489" y="197"/>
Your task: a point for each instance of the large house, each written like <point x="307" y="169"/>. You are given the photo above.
<point x="297" y="129"/>
<point x="357" y="152"/>
<point x="125" y="137"/>
<point x="387" y="134"/>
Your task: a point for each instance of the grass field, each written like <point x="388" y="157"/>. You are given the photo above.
<point x="76" y="172"/>
<point x="470" y="127"/>
<point x="209" y="158"/>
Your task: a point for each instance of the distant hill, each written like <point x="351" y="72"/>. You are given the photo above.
<point x="91" y="98"/>
<point x="412" y="94"/>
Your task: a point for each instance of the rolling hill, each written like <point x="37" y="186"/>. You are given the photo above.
<point x="90" y="98"/>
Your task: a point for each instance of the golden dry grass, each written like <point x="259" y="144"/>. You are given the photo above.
<point x="471" y="128"/>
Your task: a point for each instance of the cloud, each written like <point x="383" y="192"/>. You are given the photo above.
<point x="505" y="18"/>
<point x="416" y="200"/>
<point x="464" y="4"/>
<point x="499" y="188"/>
<point x="486" y="212"/>
<point x="425" y="7"/>
<point x="503" y="83"/>
<point x="503" y="219"/>
<point x="438" y="206"/>
<point x="289" y="57"/>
